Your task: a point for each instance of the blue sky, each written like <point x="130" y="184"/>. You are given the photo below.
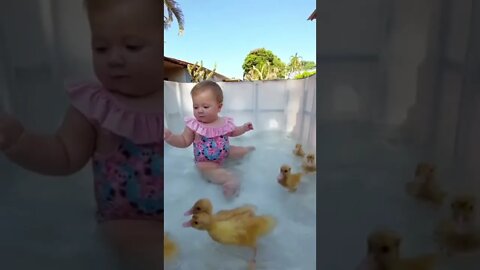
<point x="224" y="32"/>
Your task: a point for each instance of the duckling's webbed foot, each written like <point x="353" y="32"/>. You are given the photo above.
<point x="253" y="262"/>
<point x="252" y="265"/>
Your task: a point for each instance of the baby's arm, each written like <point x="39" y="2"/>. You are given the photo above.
<point x="61" y="154"/>
<point x="241" y="130"/>
<point x="183" y="140"/>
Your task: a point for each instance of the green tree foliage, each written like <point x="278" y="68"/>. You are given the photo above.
<point x="266" y="64"/>
<point x="296" y="64"/>
<point x="305" y="74"/>
<point x="308" y="65"/>
<point x="173" y="10"/>
<point x="199" y="73"/>
<point x="265" y="72"/>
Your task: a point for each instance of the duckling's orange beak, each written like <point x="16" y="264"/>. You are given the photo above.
<point x="187" y="224"/>
<point x="189" y="212"/>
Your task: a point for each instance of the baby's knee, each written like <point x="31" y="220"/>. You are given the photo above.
<point x="205" y="166"/>
<point x="220" y="176"/>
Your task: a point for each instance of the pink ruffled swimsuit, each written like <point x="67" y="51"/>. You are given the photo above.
<point x="211" y="143"/>
<point x="128" y="178"/>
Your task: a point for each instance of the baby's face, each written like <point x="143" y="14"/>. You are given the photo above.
<point x="206" y="107"/>
<point x="127" y="47"/>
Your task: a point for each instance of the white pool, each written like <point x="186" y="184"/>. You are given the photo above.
<point x="290" y="246"/>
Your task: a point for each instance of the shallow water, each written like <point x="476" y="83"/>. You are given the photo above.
<point x="291" y="245"/>
<point x="361" y="182"/>
<point x="48" y="222"/>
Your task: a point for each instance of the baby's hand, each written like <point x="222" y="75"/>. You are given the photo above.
<point x="10" y="131"/>
<point x="248" y="126"/>
<point x="166" y="133"/>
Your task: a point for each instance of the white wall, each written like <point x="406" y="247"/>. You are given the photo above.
<point x="72" y="38"/>
<point x="285" y="105"/>
<point x="29" y="62"/>
<point x="452" y="79"/>
<point x="406" y="48"/>
<point x="352" y="37"/>
<point x="464" y="62"/>
<point x="406" y="64"/>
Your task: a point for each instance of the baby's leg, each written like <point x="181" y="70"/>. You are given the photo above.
<point x="138" y="244"/>
<point x="220" y="176"/>
<point x="240" y="151"/>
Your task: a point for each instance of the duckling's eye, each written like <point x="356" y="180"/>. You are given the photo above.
<point x="385" y="249"/>
<point x="198" y="209"/>
<point x="195" y="222"/>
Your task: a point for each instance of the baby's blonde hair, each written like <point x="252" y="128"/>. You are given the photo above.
<point x="100" y="5"/>
<point x="96" y="5"/>
<point x="208" y="85"/>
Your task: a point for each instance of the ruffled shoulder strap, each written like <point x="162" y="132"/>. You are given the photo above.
<point x="100" y="107"/>
<point x="208" y="131"/>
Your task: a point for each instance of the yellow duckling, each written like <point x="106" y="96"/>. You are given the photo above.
<point x="459" y="233"/>
<point x="298" y="151"/>
<point x="239" y="230"/>
<point x="422" y="262"/>
<point x="287" y="179"/>
<point x="308" y="164"/>
<point x="425" y="186"/>
<point x="384" y="253"/>
<point x="170" y="249"/>
<point x="205" y="206"/>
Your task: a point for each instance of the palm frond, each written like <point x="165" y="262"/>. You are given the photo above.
<point x="173" y="9"/>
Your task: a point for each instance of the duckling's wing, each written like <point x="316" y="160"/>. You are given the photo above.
<point x="294" y="179"/>
<point x="170" y="249"/>
<point x="298" y="175"/>
<point x="249" y="207"/>
<point x="243" y="230"/>
<point x="229" y="232"/>
<point x="246" y="210"/>
<point x="423" y="262"/>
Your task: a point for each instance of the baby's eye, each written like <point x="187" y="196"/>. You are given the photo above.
<point x="206" y="107"/>
<point x="134" y="48"/>
<point x="195" y="107"/>
<point x="101" y="49"/>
